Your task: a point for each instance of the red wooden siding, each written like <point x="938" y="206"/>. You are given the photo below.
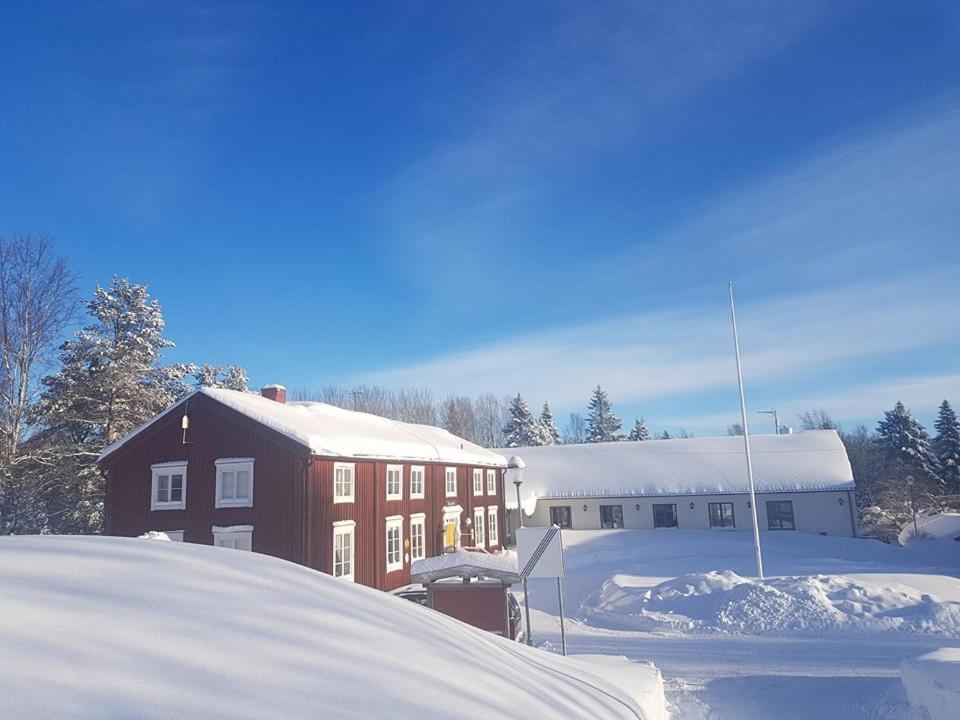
<point x="293" y="510"/>
<point x="215" y="432"/>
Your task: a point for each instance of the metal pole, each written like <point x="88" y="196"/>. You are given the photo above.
<point x="913" y="507"/>
<point x="526" y="592"/>
<point x="563" y="634"/>
<point x="776" y="423"/>
<point x="746" y="440"/>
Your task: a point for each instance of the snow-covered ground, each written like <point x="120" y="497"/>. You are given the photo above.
<point x="99" y="627"/>
<point x="823" y="638"/>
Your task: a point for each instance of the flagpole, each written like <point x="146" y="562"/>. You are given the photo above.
<point x="746" y="440"/>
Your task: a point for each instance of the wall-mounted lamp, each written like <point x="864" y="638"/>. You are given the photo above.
<point x="692" y="506"/>
<point x="638" y="507"/>
<point x="748" y="504"/>
<point x="840" y="500"/>
<point x="584" y="508"/>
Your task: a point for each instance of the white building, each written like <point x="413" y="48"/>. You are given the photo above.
<point x="803" y="482"/>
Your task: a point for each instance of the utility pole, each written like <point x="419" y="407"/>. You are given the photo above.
<point x="776" y="419"/>
<point x="746" y="440"/>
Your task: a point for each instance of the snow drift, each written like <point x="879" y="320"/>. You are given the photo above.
<point x="99" y="627"/>
<point x="932" y="682"/>
<point x="725" y="601"/>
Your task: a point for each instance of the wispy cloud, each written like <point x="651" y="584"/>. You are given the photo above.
<point x="642" y="357"/>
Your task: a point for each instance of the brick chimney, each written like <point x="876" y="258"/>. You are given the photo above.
<point x="277" y="393"/>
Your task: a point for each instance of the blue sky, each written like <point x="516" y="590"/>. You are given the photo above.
<point x="508" y="197"/>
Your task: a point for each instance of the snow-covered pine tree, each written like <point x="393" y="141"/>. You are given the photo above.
<point x="946" y="447"/>
<point x="906" y="445"/>
<point x="110" y="381"/>
<point x="639" y="430"/>
<point x="549" y="434"/>
<point x="233" y="378"/>
<point x="665" y="435"/>
<point x="522" y="428"/>
<point x="602" y="424"/>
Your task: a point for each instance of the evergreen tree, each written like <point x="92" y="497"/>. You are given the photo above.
<point x="905" y="444"/>
<point x="549" y="434"/>
<point x="665" y="435"/>
<point x="946" y="447"/>
<point x="233" y="378"/>
<point x="639" y="430"/>
<point x="110" y="381"/>
<point x="522" y="428"/>
<point x="602" y="424"/>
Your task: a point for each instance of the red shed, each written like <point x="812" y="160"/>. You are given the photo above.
<point x="351" y="494"/>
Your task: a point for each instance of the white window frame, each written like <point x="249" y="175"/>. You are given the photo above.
<point x="477" y="481"/>
<point x="394" y="522"/>
<point x="479" y="523"/>
<point x="398" y="495"/>
<point x="493" y="528"/>
<point x="345" y="466"/>
<point x="235" y="465"/>
<point x="422" y="472"/>
<point x="418" y="520"/>
<point x="491" y="482"/>
<point x="240" y="535"/>
<point x="176" y="467"/>
<point x="448" y="489"/>
<point x="345" y="527"/>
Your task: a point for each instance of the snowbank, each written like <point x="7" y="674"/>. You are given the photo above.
<point x="640" y="680"/>
<point x="932" y="682"/>
<point x="944" y="526"/>
<point x="112" y="627"/>
<point x="726" y="601"/>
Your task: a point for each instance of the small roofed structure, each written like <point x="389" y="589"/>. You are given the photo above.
<point x="473" y="587"/>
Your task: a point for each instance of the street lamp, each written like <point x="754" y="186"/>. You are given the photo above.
<point x="514" y="474"/>
<point x="913" y="507"/>
<point x="776" y="419"/>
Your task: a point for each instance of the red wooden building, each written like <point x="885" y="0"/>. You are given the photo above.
<point x="351" y="494"/>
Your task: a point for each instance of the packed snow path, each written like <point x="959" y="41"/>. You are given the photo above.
<point x="725" y="676"/>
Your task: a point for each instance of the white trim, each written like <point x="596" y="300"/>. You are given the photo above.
<point x="477" y="481"/>
<point x="479" y="528"/>
<point x="345" y="528"/>
<point x="446" y="484"/>
<point x="399" y="494"/>
<point x="174" y="535"/>
<point x="491" y="486"/>
<point x="166" y="469"/>
<point x="235" y="466"/>
<point x="353" y="482"/>
<point x="423" y="481"/>
<point x="239" y="537"/>
<point x="418" y="520"/>
<point x="493" y="527"/>
<point x="394" y="522"/>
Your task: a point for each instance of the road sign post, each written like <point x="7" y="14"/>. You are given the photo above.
<point x="540" y="554"/>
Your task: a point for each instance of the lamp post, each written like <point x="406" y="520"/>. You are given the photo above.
<point x="515" y="466"/>
<point x="776" y="419"/>
<point x="913" y="507"/>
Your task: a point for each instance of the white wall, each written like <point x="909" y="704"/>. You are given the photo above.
<point x="813" y="512"/>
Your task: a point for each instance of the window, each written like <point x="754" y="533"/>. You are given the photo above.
<point x="394" y="482"/>
<point x="418" y="550"/>
<point x="477" y="481"/>
<point x="234" y="482"/>
<point x="450" y="481"/>
<point x="664" y="516"/>
<point x="561" y="517"/>
<point x="416" y="481"/>
<point x="721" y="515"/>
<point x="343" y="482"/>
<point x="478" y="534"/>
<point x="491" y="482"/>
<point x="343" y="544"/>
<point x="394" y="543"/>
<point x="237" y="537"/>
<point x="169" y="486"/>
<point x="611" y="516"/>
<point x="493" y="536"/>
<point x="780" y="515"/>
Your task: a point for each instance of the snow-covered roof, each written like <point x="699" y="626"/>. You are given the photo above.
<point x="501" y="565"/>
<point x="106" y="627"/>
<point x="801" y="462"/>
<point x="334" y="432"/>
